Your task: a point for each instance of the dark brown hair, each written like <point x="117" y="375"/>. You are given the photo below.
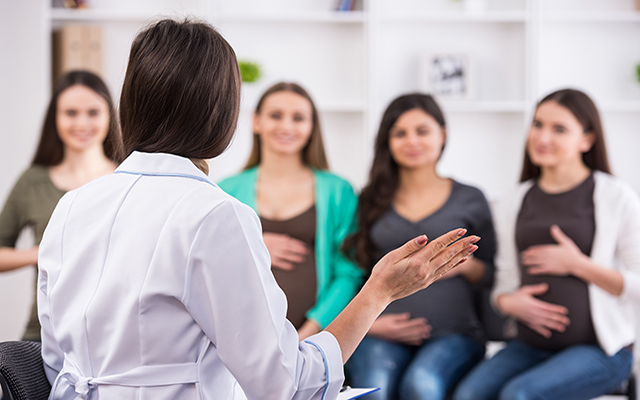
<point x="50" y="150"/>
<point x="313" y="153"/>
<point x="378" y="194"/>
<point x="181" y="92"/>
<point x="586" y="112"/>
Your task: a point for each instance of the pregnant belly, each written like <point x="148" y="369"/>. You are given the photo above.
<point x="572" y="293"/>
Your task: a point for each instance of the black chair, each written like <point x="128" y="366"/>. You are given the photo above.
<point x="22" y="374"/>
<point x="628" y="388"/>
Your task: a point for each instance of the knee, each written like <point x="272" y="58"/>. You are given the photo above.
<point x="422" y="384"/>
<point x="517" y="390"/>
<point x="472" y="389"/>
<point x="465" y="392"/>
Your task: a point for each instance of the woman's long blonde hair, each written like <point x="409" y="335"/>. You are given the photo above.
<point x="313" y="154"/>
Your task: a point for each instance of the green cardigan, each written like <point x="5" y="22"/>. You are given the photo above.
<point x="336" y="203"/>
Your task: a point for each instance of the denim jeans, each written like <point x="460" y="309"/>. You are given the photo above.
<point x="522" y="372"/>
<point x="413" y="372"/>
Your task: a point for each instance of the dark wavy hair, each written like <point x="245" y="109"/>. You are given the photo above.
<point x="50" y="150"/>
<point x="181" y="91"/>
<point x="586" y="112"/>
<point x="313" y="153"/>
<point x="377" y="195"/>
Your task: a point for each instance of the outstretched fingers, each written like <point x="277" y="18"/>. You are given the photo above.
<point x="408" y="249"/>
<point x="454" y="255"/>
<point x="448" y="249"/>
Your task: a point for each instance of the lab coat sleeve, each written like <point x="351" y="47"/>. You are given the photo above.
<point x="49" y="265"/>
<point x="232" y="295"/>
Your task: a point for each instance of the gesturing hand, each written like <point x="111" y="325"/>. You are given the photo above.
<point x="538" y="315"/>
<point x="416" y="264"/>
<point x="284" y="250"/>
<point x="401" y="328"/>
<point x="553" y="259"/>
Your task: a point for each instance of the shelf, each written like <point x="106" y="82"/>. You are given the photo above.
<point x="344" y="17"/>
<point x="349" y="17"/>
<point x="62" y="14"/>
<point x="454" y="16"/>
<point x="328" y="108"/>
<point x="594" y="16"/>
<point x="484" y="106"/>
<point x="620" y="106"/>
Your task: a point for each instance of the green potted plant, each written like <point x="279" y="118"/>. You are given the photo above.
<point x="250" y="72"/>
<point x="638" y="72"/>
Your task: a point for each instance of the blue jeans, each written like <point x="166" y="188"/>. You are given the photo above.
<point x="413" y="372"/>
<point x="522" y="372"/>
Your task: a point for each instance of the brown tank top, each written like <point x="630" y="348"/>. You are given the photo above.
<point x="573" y="212"/>
<point x="299" y="284"/>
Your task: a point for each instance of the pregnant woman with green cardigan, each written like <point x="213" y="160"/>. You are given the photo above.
<point x="305" y="211"/>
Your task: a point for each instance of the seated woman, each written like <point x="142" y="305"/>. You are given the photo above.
<point x="77" y="144"/>
<point x="305" y="210"/>
<point x="421" y="345"/>
<point x="155" y="284"/>
<point x="568" y="266"/>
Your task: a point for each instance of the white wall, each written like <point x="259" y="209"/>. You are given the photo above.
<point x="23" y="93"/>
<point x="353" y="70"/>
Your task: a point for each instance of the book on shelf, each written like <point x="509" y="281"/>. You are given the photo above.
<point x="348" y="5"/>
<point x="77" y="46"/>
<point x="69" y="4"/>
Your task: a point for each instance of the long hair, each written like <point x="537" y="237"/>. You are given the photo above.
<point x="586" y="112"/>
<point x="181" y="91"/>
<point x="50" y="149"/>
<point x="313" y="154"/>
<point x="378" y="194"/>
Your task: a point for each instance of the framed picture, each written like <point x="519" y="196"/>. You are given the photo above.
<point x="447" y="76"/>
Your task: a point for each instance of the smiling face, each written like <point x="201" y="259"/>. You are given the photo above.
<point x="82" y="118"/>
<point x="284" y="123"/>
<point x="416" y="139"/>
<point x="556" y="137"/>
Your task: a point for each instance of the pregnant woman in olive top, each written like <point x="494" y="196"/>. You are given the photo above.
<point x="305" y="210"/>
<point x="79" y="142"/>
<point x="568" y="265"/>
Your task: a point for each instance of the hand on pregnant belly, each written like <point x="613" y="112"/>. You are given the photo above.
<point x="401" y="328"/>
<point x="538" y="315"/>
<point x="284" y="250"/>
<point x="553" y="259"/>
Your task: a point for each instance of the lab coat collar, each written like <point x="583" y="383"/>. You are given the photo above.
<point x="161" y="164"/>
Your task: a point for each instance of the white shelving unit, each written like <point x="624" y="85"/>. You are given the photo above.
<point x="355" y="63"/>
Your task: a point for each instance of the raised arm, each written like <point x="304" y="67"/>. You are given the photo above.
<point x="404" y="271"/>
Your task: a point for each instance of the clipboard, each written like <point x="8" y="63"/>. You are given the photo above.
<point x="348" y="393"/>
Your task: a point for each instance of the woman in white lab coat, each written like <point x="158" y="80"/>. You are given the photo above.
<point x="155" y="284"/>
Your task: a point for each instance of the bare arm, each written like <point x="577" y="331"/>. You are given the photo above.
<point x="11" y="258"/>
<point x="310" y="327"/>
<point x="404" y="271"/>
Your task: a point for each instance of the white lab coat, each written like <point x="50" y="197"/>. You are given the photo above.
<point x="155" y="284"/>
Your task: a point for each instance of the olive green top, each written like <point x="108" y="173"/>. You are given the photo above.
<point x="30" y="203"/>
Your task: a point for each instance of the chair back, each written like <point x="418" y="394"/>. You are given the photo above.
<point x="22" y="374"/>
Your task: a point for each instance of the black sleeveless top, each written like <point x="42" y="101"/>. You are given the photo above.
<point x="573" y="212"/>
<point x="299" y="284"/>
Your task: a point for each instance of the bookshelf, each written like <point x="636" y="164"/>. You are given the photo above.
<point x="353" y="63"/>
